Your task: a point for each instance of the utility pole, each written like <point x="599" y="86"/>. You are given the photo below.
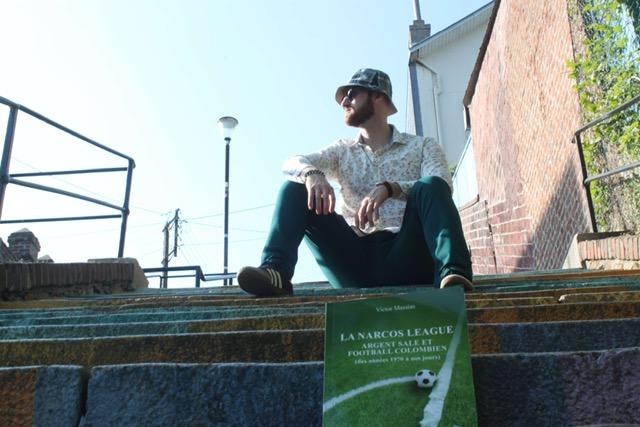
<point x="166" y="253"/>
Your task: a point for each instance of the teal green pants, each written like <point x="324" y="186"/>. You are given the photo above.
<point x="429" y="245"/>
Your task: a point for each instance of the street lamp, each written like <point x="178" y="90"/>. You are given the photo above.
<point x="226" y="124"/>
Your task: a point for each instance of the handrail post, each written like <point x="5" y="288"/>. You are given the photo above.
<point x="125" y="209"/>
<point x="585" y="183"/>
<point x="6" y="153"/>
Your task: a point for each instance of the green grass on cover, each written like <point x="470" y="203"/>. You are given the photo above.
<point x="404" y="403"/>
<point x="378" y="406"/>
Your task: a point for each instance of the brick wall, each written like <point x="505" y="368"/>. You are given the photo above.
<point x="523" y="113"/>
<point x="478" y="234"/>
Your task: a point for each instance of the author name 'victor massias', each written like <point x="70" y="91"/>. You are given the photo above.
<point x="398" y="333"/>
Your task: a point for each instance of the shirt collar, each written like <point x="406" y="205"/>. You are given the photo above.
<point x="396" y="137"/>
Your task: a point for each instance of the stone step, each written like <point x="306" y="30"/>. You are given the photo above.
<point x="563" y="274"/>
<point x="510" y="321"/>
<point x="549" y="293"/>
<point x="543" y="389"/>
<point x="607" y="295"/>
<point x="13" y="317"/>
<point x="558" y="389"/>
<point x="42" y="395"/>
<point x="300" y="321"/>
<point x="474" y="300"/>
<point x="583" y="335"/>
<point x="530" y="284"/>
<point x="161" y="316"/>
<point x="288" y="345"/>
<point x="527" y="399"/>
<point x="532" y="313"/>
<point x="249" y="346"/>
<point x="555" y="312"/>
<point x="600" y="296"/>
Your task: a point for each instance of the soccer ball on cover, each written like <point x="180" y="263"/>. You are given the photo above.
<point x="426" y="378"/>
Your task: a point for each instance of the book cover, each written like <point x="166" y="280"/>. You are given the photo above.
<point x="401" y="360"/>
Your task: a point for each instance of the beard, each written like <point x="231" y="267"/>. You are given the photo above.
<point x="360" y="115"/>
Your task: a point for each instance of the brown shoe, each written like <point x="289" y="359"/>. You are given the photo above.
<point x="456" y="280"/>
<point x="263" y="282"/>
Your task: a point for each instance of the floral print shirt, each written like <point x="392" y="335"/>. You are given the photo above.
<point x="357" y="169"/>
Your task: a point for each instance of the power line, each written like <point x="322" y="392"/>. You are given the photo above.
<point x="238" y="211"/>
<point x="106" y="230"/>
<point x="219" y="226"/>
<point x="219" y="243"/>
<point x="86" y="189"/>
<point x="148" y="253"/>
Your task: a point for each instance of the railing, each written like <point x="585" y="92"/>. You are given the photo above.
<point x="197" y="274"/>
<point x="465" y="184"/>
<point x="588" y="179"/>
<point x="7" y="178"/>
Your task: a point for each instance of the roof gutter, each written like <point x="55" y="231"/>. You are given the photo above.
<point x="415" y="98"/>
<point x="413" y="62"/>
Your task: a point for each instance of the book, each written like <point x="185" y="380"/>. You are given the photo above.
<point x="400" y="360"/>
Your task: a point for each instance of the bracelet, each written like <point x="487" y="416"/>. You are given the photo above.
<point x="313" y="172"/>
<point x="388" y="186"/>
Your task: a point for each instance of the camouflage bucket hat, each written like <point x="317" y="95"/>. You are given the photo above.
<point x="370" y="79"/>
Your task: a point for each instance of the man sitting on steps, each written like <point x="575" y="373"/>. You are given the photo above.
<point x="398" y="223"/>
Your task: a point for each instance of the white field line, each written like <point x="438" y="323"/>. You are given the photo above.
<point x="356" y="391"/>
<point x="433" y="411"/>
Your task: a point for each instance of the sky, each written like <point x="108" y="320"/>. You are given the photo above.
<point x="150" y="78"/>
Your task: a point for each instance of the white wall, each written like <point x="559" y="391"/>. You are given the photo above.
<point x="453" y="63"/>
<point x="443" y="67"/>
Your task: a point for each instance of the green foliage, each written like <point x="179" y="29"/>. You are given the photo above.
<point x="607" y="74"/>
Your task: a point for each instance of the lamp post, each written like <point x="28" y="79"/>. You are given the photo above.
<point x="226" y="124"/>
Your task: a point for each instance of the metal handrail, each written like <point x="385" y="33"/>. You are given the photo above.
<point x="586" y="179"/>
<point x="197" y="273"/>
<point x="7" y="178"/>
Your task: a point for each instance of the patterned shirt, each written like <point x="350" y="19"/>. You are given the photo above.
<point x="356" y="168"/>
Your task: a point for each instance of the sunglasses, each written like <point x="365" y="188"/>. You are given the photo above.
<point x="353" y="93"/>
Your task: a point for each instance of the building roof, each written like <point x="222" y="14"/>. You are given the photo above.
<point x="471" y="86"/>
<point x="454" y="31"/>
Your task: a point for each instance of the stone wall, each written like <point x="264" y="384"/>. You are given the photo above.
<point x="44" y="280"/>
<point x="523" y="113"/>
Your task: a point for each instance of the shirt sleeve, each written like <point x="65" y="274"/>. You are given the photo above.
<point x="326" y="160"/>
<point x="434" y="163"/>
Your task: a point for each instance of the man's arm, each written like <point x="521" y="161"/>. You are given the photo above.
<point x="434" y="163"/>
<point x="312" y="171"/>
<point x="325" y="160"/>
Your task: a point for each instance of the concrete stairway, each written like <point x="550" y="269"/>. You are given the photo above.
<point x="549" y="349"/>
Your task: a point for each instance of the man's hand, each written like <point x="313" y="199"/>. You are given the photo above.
<point x="368" y="211"/>
<point x="320" y="195"/>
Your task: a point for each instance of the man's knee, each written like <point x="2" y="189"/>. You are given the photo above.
<point x="430" y="186"/>
<point x="292" y="190"/>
